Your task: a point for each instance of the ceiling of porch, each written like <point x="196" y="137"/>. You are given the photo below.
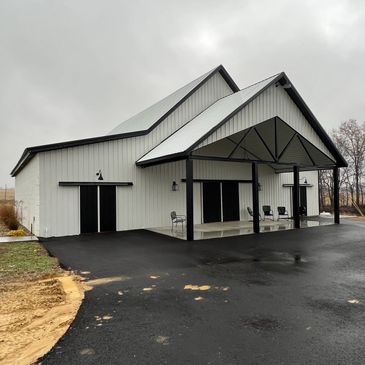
<point x="273" y="142"/>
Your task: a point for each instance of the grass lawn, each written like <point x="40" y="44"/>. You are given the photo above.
<point x="25" y="260"/>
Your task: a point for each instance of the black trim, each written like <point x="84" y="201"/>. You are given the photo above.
<point x="220" y="180"/>
<point x="183" y="155"/>
<point x="296" y="213"/>
<point x="244" y="148"/>
<point x="287" y="145"/>
<point x="291" y="185"/>
<point x="263" y="162"/>
<point x="303" y="107"/>
<point x="255" y="198"/>
<point x="94" y="183"/>
<point x="29" y="152"/>
<point x="336" y="195"/>
<point x="189" y="200"/>
<point x="305" y="149"/>
<point x="276" y="138"/>
<point x="264" y="143"/>
<point x="238" y="144"/>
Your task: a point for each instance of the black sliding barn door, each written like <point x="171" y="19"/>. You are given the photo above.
<point x="211" y="202"/>
<point x="88" y="209"/>
<point x="231" y="204"/>
<point x="107" y="209"/>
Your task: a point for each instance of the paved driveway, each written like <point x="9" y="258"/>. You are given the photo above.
<point x="263" y="306"/>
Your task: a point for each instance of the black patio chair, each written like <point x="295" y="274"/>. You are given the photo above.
<point x="175" y="219"/>
<point x="282" y="213"/>
<point x="250" y="212"/>
<point x="268" y="213"/>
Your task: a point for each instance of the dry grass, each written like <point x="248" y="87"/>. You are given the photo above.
<point x="8" y="216"/>
<point x="10" y="194"/>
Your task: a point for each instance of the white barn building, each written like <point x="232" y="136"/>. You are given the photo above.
<point x="208" y="151"/>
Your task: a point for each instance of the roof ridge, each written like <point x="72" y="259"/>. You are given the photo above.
<point x="258" y="82"/>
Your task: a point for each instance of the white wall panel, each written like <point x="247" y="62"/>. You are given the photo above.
<point x="27" y="195"/>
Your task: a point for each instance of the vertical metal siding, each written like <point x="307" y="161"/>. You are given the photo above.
<point x="27" y="191"/>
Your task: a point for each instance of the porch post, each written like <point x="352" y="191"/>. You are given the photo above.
<point x="189" y="200"/>
<point x="296" y="197"/>
<point x="255" y="198"/>
<point x="336" y="195"/>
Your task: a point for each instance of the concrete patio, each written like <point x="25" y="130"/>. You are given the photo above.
<point x="237" y="228"/>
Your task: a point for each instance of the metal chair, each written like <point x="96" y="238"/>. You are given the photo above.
<point x="282" y="213"/>
<point x="176" y="219"/>
<point x="250" y="212"/>
<point x="268" y="212"/>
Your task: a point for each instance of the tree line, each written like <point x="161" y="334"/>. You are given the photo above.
<point x="349" y="138"/>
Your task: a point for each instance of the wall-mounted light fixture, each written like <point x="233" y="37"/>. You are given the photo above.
<point x="305" y="180"/>
<point x="259" y="186"/>
<point x="100" y="175"/>
<point x="175" y="186"/>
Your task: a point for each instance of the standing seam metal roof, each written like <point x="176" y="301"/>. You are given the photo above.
<point x="185" y="137"/>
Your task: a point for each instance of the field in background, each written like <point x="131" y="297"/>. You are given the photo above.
<point x="10" y="194"/>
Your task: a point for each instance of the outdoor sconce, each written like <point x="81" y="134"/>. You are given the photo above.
<point x="175" y="186"/>
<point x="259" y="186"/>
<point x="305" y="180"/>
<point x="100" y="176"/>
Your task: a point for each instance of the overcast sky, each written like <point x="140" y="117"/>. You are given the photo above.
<point x="74" y="69"/>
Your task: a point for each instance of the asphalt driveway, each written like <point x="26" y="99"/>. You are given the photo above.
<point x="290" y="297"/>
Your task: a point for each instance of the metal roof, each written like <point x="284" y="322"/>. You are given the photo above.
<point x="147" y="118"/>
<point x="181" y="143"/>
<point x="192" y="132"/>
<point x="138" y="125"/>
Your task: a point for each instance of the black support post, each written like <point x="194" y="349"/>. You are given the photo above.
<point x="336" y="195"/>
<point x="189" y="200"/>
<point x="255" y="198"/>
<point x="296" y="197"/>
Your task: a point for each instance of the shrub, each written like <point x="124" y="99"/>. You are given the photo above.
<point x="17" y="232"/>
<point x="8" y="215"/>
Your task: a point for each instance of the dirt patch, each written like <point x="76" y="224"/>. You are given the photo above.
<point x="38" y="303"/>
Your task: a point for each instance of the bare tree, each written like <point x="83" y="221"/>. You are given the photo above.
<point x="350" y="140"/>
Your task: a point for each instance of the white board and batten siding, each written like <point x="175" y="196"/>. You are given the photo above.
<point x="27" y="195"/>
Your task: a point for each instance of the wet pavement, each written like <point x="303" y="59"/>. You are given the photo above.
<point x="287" y="297"/>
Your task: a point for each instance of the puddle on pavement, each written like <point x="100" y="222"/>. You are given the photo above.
<point x="274" y="257"/>
<point x="260" y="323"/>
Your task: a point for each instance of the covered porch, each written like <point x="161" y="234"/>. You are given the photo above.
<point x="264" y="128"/>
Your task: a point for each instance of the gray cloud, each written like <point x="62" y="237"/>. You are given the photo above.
<point x="74" y="69"/>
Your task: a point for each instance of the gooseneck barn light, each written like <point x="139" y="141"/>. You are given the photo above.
<point x="100" y="175"/>
<point x="175" y="186"/>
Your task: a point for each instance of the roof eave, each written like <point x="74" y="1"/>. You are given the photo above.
<point x="301" y="104"/>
